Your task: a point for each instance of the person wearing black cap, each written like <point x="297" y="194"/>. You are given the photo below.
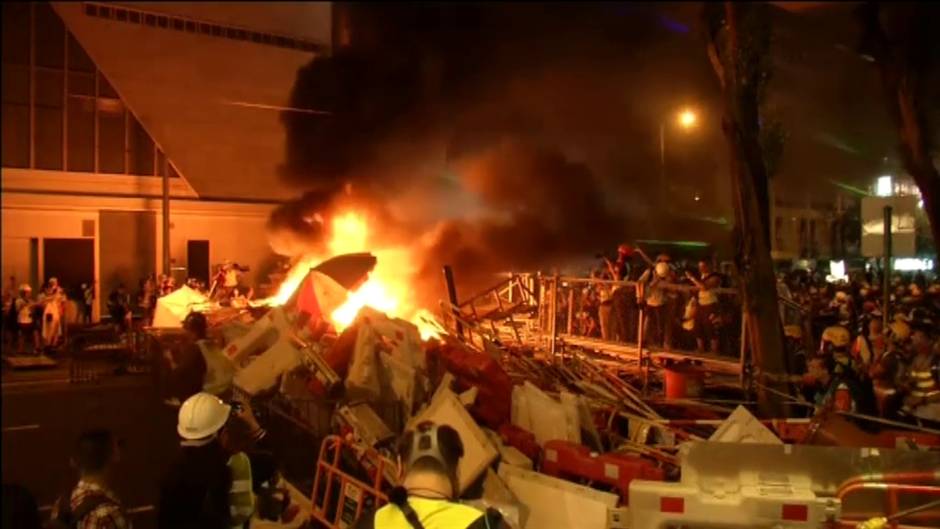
<point x="426" y="498"/>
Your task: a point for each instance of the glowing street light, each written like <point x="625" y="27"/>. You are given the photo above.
<point x="687" y="119"/>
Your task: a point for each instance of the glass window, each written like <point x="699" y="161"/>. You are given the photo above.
<point x="15" y="84"/>
<point x="81" y="83"/>
<point x="81" y="140"/>
<point x="104" y="87"/>
<point x="16" y="32"/>
<point x="15" y="135"/>
<point x="79" y="61"/>
<point x="111" y="141"/>
<point x="49" y="88"/>
<point x="49" y="138"/>
<point x="50" y="37"/>
<point x="140" y="149"/>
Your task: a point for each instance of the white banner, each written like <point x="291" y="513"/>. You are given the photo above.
<point x="903" y="238"/>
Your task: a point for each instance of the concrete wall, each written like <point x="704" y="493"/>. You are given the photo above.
<point x="234" y="230"/>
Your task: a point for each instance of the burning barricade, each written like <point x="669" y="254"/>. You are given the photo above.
<point x="550" y="440"/>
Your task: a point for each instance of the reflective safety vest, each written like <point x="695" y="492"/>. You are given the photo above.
<point x="434" y="514"/>
<point x="219" y="369"/>
<point x="922" y="379"/>
<point x="241" y="499"/>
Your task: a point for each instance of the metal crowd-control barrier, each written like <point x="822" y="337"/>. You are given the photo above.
<point x="339" y="498"/>
<point x="573" y="309"/>
<point x="915" y="486"/>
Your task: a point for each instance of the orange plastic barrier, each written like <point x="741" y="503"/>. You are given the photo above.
<point x="338" y="497"/>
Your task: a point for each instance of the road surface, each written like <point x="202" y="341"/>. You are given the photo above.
<point x="42" y="414"/>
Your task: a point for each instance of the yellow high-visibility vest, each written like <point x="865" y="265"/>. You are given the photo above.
<point x="434" y="514"/>
<point x="241" y="499"/>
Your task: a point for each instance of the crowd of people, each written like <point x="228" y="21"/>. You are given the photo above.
<point x="680" y="303"/>
<point x="844" y="345"/>
<point x="36" y="323"/>
<point x="849" y="349"/>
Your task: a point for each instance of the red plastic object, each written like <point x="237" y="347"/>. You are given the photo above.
<point x="671" y="504"/>
<point x="794" y="512"/>
<point x="565" y="459"/>
<point x="683" y="382"/>
<point x="475" y="369"/>
<point x="522" y="440"/>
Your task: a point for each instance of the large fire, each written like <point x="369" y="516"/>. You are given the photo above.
<point x="387" y="288"/>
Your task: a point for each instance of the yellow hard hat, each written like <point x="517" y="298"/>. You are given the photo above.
<point x="900" y="330"/>
<point x="793" y="331"/>
<point x="837" y="335"/>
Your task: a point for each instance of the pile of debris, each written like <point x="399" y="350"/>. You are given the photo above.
<point x="549" y="441"/>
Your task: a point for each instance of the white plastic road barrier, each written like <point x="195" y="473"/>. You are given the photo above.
<point x="771" y="505"/>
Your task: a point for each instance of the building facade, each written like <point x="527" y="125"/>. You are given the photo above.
<point x="101" y="102"/>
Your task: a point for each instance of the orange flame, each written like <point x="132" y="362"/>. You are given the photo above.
<point x="388" y="288"/>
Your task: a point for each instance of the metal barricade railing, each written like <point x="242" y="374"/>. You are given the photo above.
<point x="339" y="498"/>
<point x="914" y="486"/>
<point x="579" y="309"/>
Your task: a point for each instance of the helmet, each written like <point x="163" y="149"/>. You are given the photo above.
<point x="663" y="258"/>
<point x="662" y="269"/>
<point x="841" y="296"/>
<point x="440" y="443"/>
<point x="202" y="415"/>
<point x="26" y="288"/>
<point x="625" y="249"/>
<point x="900" y="330"/>
<point x="837" y="335"/>
<point x="793" y="331"/>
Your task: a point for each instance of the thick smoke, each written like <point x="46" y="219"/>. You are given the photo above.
<point x="510" y="135"/>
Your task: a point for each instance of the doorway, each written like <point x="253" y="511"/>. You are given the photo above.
<point x="197" y="260"/>
<point x="72" y="261"/>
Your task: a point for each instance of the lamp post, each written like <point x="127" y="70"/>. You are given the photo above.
<point x="686" y="119"/>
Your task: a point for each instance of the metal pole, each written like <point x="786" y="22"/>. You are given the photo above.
<point x="662" y="160"/>
<point x="452" y="296"/>
<point x="570" y="311"/>
<point x="553" y="314"/>
<point x="166" y="220"/>
<point x="886" y="274"/>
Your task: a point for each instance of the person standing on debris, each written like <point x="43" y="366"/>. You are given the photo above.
<point x="426" y="497"/>
<point x="707" y="315"/>
<point x="205" y="487"/>
<point x="92" y="504"/>
<point x="658" y="301"/>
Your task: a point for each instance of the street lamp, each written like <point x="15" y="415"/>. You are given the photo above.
<point x="686" y="119"/>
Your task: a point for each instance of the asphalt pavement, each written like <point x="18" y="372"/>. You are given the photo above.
<point x="42" y="415"/>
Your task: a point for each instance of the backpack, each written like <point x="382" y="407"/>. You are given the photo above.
<point x="67" y="518"/>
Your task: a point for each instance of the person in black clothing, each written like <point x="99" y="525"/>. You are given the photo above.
<point x="119" y="306"/>
<point x="198" y="488"/>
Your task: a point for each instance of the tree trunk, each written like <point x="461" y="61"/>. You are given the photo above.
<point x="738" y="67"/>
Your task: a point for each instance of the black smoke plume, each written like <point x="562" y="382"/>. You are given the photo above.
<point x="511" y="135"/>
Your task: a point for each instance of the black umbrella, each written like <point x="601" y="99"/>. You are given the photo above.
<point x="349" y="270"/>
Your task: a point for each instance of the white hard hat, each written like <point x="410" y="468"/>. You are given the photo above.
<point x="26" y="287"/>
<point x="202" y="415"/>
